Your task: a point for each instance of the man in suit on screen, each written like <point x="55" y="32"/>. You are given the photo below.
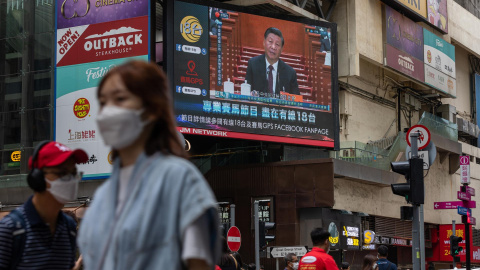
<point x="268" y="74"/>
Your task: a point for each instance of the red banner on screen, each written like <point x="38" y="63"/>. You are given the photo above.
<point x="103" y="41"/>
<point x="247" y="136"/>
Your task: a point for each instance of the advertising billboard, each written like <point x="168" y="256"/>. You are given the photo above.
<point x="439" y="54"/>
<point x="417" y="6"/>
<point x="404" y="34"/>
<point x="404" y="63"/>
<point x="88" y="45"/>
<point x="441" y="81"/>
<point x="71" y="13"/>
<point x="437" y="14"/>
<point x="233" y="78"/>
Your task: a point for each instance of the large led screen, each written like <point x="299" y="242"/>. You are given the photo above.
<point x="241" y="75"/>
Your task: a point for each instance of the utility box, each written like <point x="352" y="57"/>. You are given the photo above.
<point x="447" y="111"/>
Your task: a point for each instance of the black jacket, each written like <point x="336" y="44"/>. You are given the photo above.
<point x="257" y="76"/>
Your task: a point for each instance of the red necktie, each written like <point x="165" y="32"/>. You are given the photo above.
<point x="270" y="79"/>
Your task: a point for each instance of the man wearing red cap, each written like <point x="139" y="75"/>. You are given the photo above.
<point x="38" y="235"/>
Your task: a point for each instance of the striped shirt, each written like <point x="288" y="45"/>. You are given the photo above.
<point x="42" y="249"/>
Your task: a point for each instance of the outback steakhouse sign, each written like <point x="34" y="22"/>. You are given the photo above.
<point x="104" y="41"/>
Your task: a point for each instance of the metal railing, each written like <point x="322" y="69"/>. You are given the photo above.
<point x="373" y="156"/>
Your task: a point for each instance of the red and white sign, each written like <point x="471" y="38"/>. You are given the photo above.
<point x="234" y="239"/>
<point x="465" y="169"/>
<point x="103" y="41"/>
<point x="424" y="138"/>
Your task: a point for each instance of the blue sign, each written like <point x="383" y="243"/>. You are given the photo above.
<point x="464" y="211"/>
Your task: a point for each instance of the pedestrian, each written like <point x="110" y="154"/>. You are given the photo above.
<point x="383" y="263"/>
<point x="227" y="260"/>
<point x="252" y="266"/>
<point x="291" y="261"/>
<point x="369" y="262"/>
<point x="38" y="235"/>
<point x="238" y="259"/>
<point x="79" y="259"/>
<point x="318" y="258"/>
<point x="345" y="266"/>
<point x="156" y="210"/>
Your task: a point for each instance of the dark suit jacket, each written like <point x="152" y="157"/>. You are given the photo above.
<point x="257" y="76"/>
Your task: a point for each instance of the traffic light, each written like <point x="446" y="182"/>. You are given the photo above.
<point x="413" y="190"/>
<point x="263" y="229"/>
<point x="454" y="248"/>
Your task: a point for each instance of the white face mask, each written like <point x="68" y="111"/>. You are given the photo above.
<point x="64" y="189"/>
<point x="120" y="127"/>
<point x="295" y="265"/>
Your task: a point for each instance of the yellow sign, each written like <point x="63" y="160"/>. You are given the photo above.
<point x="418" y="6"/>
<point x="110" y="157"/>
<point x="368" y="237"/>
<point x="16" y="155"/>
<point x="191" y="29"/>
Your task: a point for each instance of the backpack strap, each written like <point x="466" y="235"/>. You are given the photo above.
<point x="18" y="237"/>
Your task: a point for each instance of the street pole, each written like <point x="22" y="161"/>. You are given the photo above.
<point x="454" y="234"/>
<point x="418" y="246"/>
<point x="422" y="240"/>
<point x="257" y="236"/>
<point x="278" y="265"/>
<point x="232" y="215"/>
<point x="467" y="242"/>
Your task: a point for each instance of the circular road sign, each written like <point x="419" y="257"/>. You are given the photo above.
<point x="424" y="138"/>
<point x="234" y="239"/>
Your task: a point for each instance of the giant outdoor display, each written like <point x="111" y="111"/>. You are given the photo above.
<point x="240" y="75"/>
<point x="91" y="38"/>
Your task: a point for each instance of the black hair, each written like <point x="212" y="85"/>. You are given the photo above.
<point x="275" y="31"/>
<point x="238" y="258"/>
<point x="319" y="236"/>
<point x="288" y="258"/>
<point x="226" y="260"/>
<point x="382" y="251"/>
<point x="252" y="266"/>
<point x="345" y="265"/>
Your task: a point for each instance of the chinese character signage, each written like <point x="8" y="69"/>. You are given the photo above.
<point x="465" y="169"/>
<point x="220" y="80"/>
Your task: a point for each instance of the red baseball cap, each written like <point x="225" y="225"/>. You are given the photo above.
<point x="54" y="153"/>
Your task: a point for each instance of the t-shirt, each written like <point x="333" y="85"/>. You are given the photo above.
<point x="42" y="249"/>
<point x="317" y="259"/>
<point x="195" y="243"/>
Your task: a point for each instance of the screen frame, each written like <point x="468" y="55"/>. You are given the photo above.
<point x="169" y="48"/>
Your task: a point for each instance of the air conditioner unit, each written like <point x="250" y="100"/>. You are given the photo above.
<point x="447" y="111"/>
<point x="345" y="100"/>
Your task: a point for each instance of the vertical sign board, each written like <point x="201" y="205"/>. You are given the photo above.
<point x="437" y="14"/>
<point x="476" y="80"/>
<point x="465" y="170"/>
<point x="91" y="38"/>
<point x="439" y="58"/>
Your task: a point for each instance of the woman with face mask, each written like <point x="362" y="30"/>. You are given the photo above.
<point x="156" y="210"/>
